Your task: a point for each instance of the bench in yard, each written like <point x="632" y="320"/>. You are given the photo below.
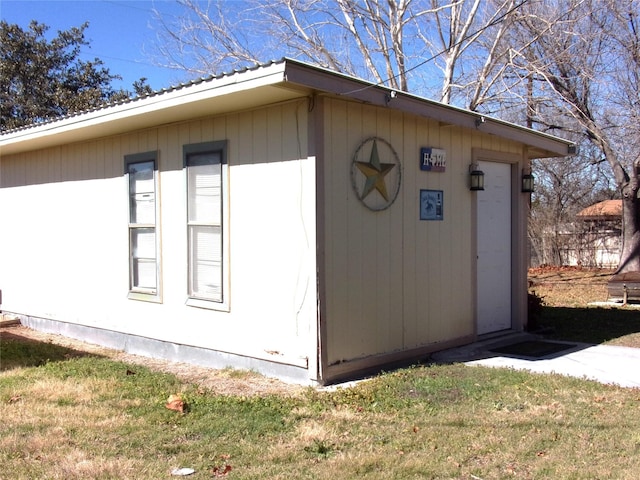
<point x="624" y="286"/>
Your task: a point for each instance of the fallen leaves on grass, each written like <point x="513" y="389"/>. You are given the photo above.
<point x="176" y="403"/>
<point x="223" y="468"/>
<point x="556" y="268"/>
<point x="221" y="471"/>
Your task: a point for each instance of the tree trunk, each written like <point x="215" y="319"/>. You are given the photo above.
<point x="630" y="254"/>
<point x="629" y="184"/>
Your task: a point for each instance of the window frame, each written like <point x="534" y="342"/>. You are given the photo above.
<point x="218" y="147"/>
<point x="136" y="292"/>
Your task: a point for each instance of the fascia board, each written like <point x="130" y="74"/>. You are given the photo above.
<point x="171" y="106"/>
<point x="542" y="145"/>
<point x="208" y="96"/>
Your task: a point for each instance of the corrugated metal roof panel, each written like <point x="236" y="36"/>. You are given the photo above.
<point x="250" y="87"/>
<point x="138" y="98"/>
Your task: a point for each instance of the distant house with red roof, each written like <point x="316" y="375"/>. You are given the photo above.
<point x="599" y="235"/>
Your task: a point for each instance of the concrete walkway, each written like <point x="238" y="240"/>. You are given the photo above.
<point x="603" y="363"/>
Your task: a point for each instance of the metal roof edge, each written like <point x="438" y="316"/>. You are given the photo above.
<point x="139" y="108"/>
<point x="157" y="95"/>
<point x="274" y="73"/>
<point x="544" y="144"/>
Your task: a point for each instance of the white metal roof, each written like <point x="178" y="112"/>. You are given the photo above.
<point x="265" y="84"/>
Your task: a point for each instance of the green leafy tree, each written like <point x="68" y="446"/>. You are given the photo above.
<point x="43" y="79"/>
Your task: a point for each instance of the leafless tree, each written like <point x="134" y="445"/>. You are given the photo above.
<point x="206" y="37"/>
<point x="585" y="58"/>
<point x="568" y="67"/>
<point x="409" y="45"/>
<point x="472" y="34"/>
<point x="564" y="187"/>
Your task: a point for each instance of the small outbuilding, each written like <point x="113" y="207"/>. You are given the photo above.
<point x="599" y="236"/>
<point x="282" y="218"/>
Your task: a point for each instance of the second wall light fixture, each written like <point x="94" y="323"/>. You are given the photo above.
<point x="476" y="177"/>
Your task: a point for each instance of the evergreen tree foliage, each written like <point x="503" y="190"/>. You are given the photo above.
<point x="42" y="79"/>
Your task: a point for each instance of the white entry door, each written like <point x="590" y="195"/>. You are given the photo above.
<point x="494" y="248"/>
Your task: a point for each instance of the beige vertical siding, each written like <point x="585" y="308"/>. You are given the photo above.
<point x="395" y="282"/>
<point x="392" y="281"/>
<point x="64" y="251"/>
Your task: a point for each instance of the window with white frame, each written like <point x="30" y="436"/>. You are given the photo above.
<point x="204" y="164"/>
<point x="144" y="268"/>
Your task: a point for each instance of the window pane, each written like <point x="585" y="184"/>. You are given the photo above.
<point x="143" y="242"/>
<point x="141" y="177"/>
<point x="143" y="208"/>
<point x="142" y="193"/>
<point x="143" y="261"/>
<point x="204" y="182"/>
<point x="202" y="287"/>
<point x="144" y="273"/>
<point x="206" y="262"/>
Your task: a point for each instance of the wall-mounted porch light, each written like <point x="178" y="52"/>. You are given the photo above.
<point x="477" y="178"/>
<point x="528" y="181"/>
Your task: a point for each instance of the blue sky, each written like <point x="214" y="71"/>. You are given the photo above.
<point x="121" y="33"/>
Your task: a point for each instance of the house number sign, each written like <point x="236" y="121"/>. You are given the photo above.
<point x="433" y="159"/>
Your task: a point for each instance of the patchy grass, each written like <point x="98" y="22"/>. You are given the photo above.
<point x="568" y="293"/>
<point x="612" y="326"/>
<point x="569" y="286"/>
<point x="18" y="351"/>
<point x="91" y="417"/>
<point x="71" y="413"/>
<point x="85" y="417"/>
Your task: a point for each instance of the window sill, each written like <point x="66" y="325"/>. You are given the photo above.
<point x="207" y="304"/>
<point x="145" y="297"/>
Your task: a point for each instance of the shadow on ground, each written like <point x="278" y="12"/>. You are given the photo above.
<point x="559" y="332"/>
<point x="19" y="351"/>
<point x="588" y="325"/>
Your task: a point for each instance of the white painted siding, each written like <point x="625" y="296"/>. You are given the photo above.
<point x="67" y="207"/>
<point x="393" y="282"/>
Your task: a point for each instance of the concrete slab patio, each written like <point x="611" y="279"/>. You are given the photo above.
<point x="603" y="363"/>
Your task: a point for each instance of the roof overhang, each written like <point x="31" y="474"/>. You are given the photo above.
<point x="540" y="145"/>
<point x="249" y="88"/>
<point x="231" y="92"/>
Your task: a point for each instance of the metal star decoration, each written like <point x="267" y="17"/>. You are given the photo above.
<point x="374" y="171"/>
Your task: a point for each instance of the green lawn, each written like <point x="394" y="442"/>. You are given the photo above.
<point x="66" y="415"/>
<point x="70" y="414"/>
<point x="568" y="294"/>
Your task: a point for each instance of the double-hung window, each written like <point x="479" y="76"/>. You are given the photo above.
<point x="204" y="163"/>
<point x="144" y="268"/>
